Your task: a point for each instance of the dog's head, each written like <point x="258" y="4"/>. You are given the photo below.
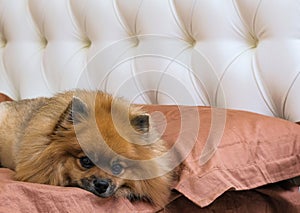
<point x="107" y="147"/>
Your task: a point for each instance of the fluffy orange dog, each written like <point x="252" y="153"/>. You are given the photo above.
<point x="85" y="139"/>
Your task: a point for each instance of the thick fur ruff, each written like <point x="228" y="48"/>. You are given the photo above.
<point x="89" y="140"/>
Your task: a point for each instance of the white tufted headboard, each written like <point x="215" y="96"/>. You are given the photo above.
<point x="242" y="54"/>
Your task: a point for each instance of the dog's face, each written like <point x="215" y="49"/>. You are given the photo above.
<point x="108" y="148"/>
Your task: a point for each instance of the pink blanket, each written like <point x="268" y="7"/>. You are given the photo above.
<point x="20" y="197"/>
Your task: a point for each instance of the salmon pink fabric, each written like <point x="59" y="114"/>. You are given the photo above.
<point x="20" y="197"/>
<point x="252" y="150"/>
<point x="230" y="160"/>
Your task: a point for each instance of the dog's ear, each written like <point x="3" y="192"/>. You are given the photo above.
<point x="79" y="110"/>
<point x="76" y="111"/>
<point x="141" y="123"/>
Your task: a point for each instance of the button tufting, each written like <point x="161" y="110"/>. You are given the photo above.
<point x="87" y="43"/>
<point x="221" y="54"/>
<point x="193" y="42"/>
<point x="44" y="42"/>
<point x="136" y="40"/>
<point x="254" y="42"/>
<point x="3" y="42"/>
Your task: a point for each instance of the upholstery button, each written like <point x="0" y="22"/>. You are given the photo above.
<point x="3" y="42"/>
<point x="44" y="42"/>
<point x="136" y="40"/>
<point x="193" y="42"/>
<point x="255" y="42"/>
<point x="87" y="43"/>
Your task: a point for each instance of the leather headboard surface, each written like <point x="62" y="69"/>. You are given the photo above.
<point x="241" y="54"/>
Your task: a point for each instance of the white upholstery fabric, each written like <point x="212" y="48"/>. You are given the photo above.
<point x="242" y="54"/>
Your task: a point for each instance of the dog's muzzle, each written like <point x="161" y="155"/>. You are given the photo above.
<point x="99" y="186"/>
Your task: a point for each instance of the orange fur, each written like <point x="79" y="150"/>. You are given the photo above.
<point x="59" y="132"/>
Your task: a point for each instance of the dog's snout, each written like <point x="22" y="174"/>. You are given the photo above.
<point x="101" y="185"/>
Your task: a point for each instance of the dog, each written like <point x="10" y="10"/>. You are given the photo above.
<point x="86" y="139"/>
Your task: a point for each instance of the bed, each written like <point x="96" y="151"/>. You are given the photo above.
<point x="223" y="77"/>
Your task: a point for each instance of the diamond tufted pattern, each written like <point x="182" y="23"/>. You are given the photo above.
<point x="242" y="54"/>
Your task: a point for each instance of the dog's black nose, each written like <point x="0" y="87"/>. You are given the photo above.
<point x="101" y="185"/>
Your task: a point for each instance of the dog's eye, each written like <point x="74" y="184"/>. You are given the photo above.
<point x="117" y="169"/>
<point x="86" y="162"/>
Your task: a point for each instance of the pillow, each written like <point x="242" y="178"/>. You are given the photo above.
<point x="228" y="149"/>
<point x="220" y="150"/>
